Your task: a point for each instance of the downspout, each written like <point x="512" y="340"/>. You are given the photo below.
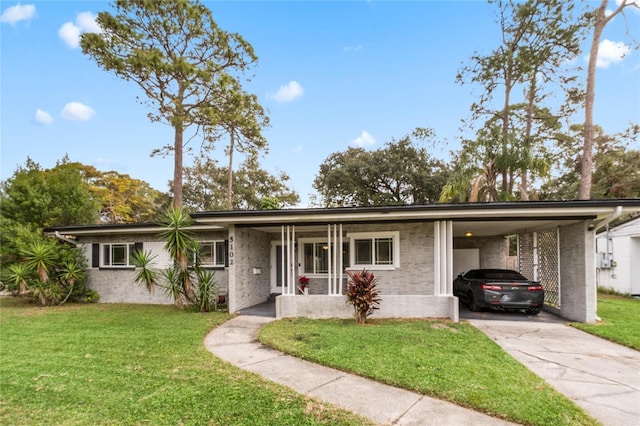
<point x="605" y="222"/>
<point x="65" y="239"/>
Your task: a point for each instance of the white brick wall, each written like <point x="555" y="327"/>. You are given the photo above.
<point x="118" y="286"/>
<point x="577" y="273"/>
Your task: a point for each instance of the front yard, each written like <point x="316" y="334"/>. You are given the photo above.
<point x="131" y="365"/>
<point x="452" y="361"/>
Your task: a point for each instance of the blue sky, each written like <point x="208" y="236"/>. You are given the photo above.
<point x="331" y="74"/>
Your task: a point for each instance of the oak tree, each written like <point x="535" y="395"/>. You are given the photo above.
<point x="400" y="173"/>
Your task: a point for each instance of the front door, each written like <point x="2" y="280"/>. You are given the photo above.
<point x="276" y="267"/>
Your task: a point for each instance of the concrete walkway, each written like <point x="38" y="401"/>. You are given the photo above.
<point x="236" y="342"/>
<point x="600" y="376"/>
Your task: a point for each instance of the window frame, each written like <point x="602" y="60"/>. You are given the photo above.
<point x="130" y="248"/>
<point x="214" y="255"/>
<point x="301" y="255"/>
<point x="372" y="237"/>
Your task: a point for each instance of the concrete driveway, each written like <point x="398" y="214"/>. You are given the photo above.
<point x="600" y="376"/>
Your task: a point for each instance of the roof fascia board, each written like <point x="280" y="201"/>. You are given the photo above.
<point x="129" y="230"/>
<point x="572" y="212"/>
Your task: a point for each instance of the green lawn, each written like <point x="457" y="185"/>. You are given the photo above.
<point x="132" y="364"/>
<point x="452" y="361"/>
<point x="620" y="320"/>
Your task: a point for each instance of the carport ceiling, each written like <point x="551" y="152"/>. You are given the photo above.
<point x="504" y="227"/>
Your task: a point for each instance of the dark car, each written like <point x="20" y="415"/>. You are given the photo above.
<point x="498" y="289"/>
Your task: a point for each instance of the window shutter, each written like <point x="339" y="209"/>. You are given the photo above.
<point x="226" y="253"/>
<point x="95" y="255"/>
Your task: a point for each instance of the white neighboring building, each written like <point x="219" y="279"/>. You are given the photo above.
<point x="618" y="258"/>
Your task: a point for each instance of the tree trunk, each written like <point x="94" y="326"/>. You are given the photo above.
<point x="230" y="177"/>
<point x="524" y="178"/>
<point x="177" y="165"/>
<point x="601" y="20"/>
<point x="587" y="148"/>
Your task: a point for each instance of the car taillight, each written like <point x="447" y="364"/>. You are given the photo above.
<point x="535" y="288"/>
<point x="491" y="287"/>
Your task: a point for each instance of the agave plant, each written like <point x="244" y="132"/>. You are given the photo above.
<point x="363" y="294"/>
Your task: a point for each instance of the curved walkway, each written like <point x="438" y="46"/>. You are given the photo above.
<point x="236" y="342"/>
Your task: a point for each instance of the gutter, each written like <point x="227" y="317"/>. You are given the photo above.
<point x="61" y="237"/>
<point x="607" y="220"/>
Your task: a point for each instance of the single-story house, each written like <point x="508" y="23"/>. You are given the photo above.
<point x="618" y="257"/>
<point x="415" y="252"/>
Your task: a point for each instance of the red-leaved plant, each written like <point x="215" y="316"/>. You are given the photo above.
<point x="362" y="293"/>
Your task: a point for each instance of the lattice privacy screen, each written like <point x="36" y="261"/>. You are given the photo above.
<point x="539" y="259"/>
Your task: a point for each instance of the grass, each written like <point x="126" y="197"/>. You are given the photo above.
<point x="451" y="361"/>
<point x="130" y="365"/>
<point x="620" y="320"/>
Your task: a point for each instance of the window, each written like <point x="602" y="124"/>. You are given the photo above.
<point x="212" y="253"/>
<point x="117" y="255"/>
<point x="375" y="250"/>
<point x="316" y="259"/>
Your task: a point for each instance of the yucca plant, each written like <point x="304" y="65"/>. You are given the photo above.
<point x="207" y="290"/>
<point x="145" y="274"/>
<point x="41" y="257"/>
<point x="17" y="276"/>
<point x="180" y="245"/>
<point x="71" y="272"/>
<point x="363" y="294"/>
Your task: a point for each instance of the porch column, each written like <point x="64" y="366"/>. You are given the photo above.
<point x="334" y="259"/>
<point x="443" y="257"/>
<point x="288" y="243"/>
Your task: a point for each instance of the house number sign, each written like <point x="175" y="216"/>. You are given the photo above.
<point x="231" y="251"/>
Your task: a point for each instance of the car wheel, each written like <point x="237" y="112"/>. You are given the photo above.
<point x="533" y="311"/>
<point x="473" y="306"/>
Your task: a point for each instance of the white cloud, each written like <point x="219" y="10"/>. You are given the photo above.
<point x="363" y="140"/>
<point x="289" y="92"/>
<point x="611" y="52"/>
<point x="77" y="111"/>
<point x="70" y="32"/>
<point x="353" y="48"/>
<point x="43" y="117"/>
<point x="17" y="13"/>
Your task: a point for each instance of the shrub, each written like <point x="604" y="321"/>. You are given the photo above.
<point x="362" y="293"/>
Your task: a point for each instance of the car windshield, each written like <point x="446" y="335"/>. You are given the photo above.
<point x="497" y="275"/>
